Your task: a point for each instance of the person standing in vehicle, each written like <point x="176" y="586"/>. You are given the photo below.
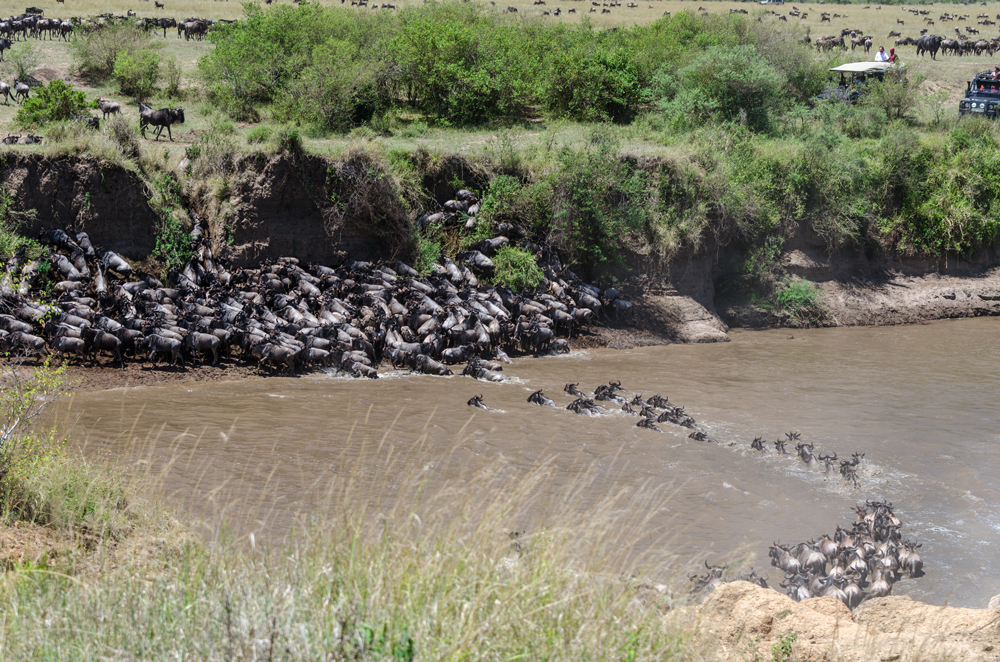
<point x="881" y="56"/>
<point x="892" y="56"/>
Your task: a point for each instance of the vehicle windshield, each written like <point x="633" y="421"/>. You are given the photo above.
<point x="986" y="85"/>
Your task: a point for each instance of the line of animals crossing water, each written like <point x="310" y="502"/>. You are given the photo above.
<point x="77" y="300"/>
<point x="858" y="562"/>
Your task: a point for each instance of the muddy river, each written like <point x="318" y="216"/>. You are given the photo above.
<point x="922" y="402"/>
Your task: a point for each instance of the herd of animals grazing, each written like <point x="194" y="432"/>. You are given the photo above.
<point x="286" y="316"/>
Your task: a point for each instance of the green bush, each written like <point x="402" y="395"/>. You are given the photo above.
<point x="428" y="253"/>
<point x="259" y="134"/>
<point x="289" y="140"/>
<point x="24" y="59"/>
<point x="594" y="85"/>
<point x="725" y="83"/>
<point x="11" y="240"/>
<point x="599" y="200"/>
<point x="172" y="77"/>
<point x="898" y="95"/>
<point x="796" y="295"/>
<point x="516" y="268"/>
<point x="54" y="102"/>
<point x="96" y="52"/>
<point x="137" y="72"/>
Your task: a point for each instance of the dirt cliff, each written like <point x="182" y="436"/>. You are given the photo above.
<point x="743" y="621"/>
<point x="107" y="201"/>
<point x="327" y="210"/>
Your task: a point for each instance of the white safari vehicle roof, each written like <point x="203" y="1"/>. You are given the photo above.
<point x="862" y="67"/>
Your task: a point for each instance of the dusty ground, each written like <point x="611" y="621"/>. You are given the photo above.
<point x="853" y="294"/>
<point x="744" y="621"/>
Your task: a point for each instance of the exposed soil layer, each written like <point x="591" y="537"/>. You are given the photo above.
<point x="108" y="202"/>
<point x="744" y="621"/>
<point x="329" y="210"/>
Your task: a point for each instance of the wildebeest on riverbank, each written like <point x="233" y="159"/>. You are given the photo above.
<point x="288" y="316"/>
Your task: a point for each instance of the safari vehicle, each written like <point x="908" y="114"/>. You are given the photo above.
<point x="982" y="96"/>
<point x="771" y="2"/>
<point x="853" y="78"/>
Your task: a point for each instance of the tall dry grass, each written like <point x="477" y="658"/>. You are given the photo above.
<point x="491" y="566"/>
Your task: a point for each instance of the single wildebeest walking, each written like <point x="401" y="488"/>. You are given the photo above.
<point x="108" y="107"/>
<point x="21" y="90"/>
<point x="161" y="118"/>
<point x="5" y="93"/>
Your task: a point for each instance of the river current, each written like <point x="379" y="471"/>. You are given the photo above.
<point x="922" y="402"/>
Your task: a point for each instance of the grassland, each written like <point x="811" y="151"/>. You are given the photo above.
<point x="943" y="87"/>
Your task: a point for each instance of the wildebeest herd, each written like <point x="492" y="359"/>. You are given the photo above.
<point x="288" y="316"/>
<point x="860" y="562"/>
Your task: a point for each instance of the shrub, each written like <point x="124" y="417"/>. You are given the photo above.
<point x="11" y="240"/>
<point x="24" y="59"/>
<point x="796" y="296"/>
<point x="335" y="93"/>
<point x="54" y="102"/>
<point x="594" y="85"/>
<point x="172" y="78"/>
<point x="95" y="53"/>
<point x="897" y="95"/>
<point x="428" y="253"/>
<point x="259" y="134"/>
<point x="516" y="268"/>
<point x="289" y="140"/>
<point x="124" y="134"/>
<point x="137" y="72"/>
<point x="725" y="83"/>
<point x="599" y="199"/>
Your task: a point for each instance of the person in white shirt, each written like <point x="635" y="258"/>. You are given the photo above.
<point x="881" y="56"/>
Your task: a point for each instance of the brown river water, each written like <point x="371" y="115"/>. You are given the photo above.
<point x="923" y="403"/>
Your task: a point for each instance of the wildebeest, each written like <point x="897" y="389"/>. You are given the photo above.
<point x="161" y="118"/>
<point x="4" y="45"/>
<point x="108" y="107"/>
<point x="21" y="90"/>
<point x="157" y="344"/>
<point x="5" y="93"/>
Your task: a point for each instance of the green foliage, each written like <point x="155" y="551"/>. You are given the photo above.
<point x="516" y="268"/>
<point x="172" y="78"/>
<point x="501" y="200"/>
<point x="781" y="651"/>
<point x="24" y="59"/>
<point x="10" y="240"/>
<point x="593" y="85"/>
<point x="428" y="253"/>
<point x="136" y="72"/>
<point x="761" y="261"/>
<point x="173" y="241"/>
<point x="260" y="134"/>
<point x="726" y="83"/>
<point x="898" y="95"/>
<point x="599" y="200"/>
<point x="54" y="102"/>
<point x="795" y="296"/>
<point x="23" y="445"/>
<point x="289" y="140"/>
<point x="95" y="53"/>
<point x="462" y="64"/>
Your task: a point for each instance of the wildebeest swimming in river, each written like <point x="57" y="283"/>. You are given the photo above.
<point x="161" y="118"/>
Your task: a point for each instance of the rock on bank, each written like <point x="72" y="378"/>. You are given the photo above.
<point x="745" y="621"/>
